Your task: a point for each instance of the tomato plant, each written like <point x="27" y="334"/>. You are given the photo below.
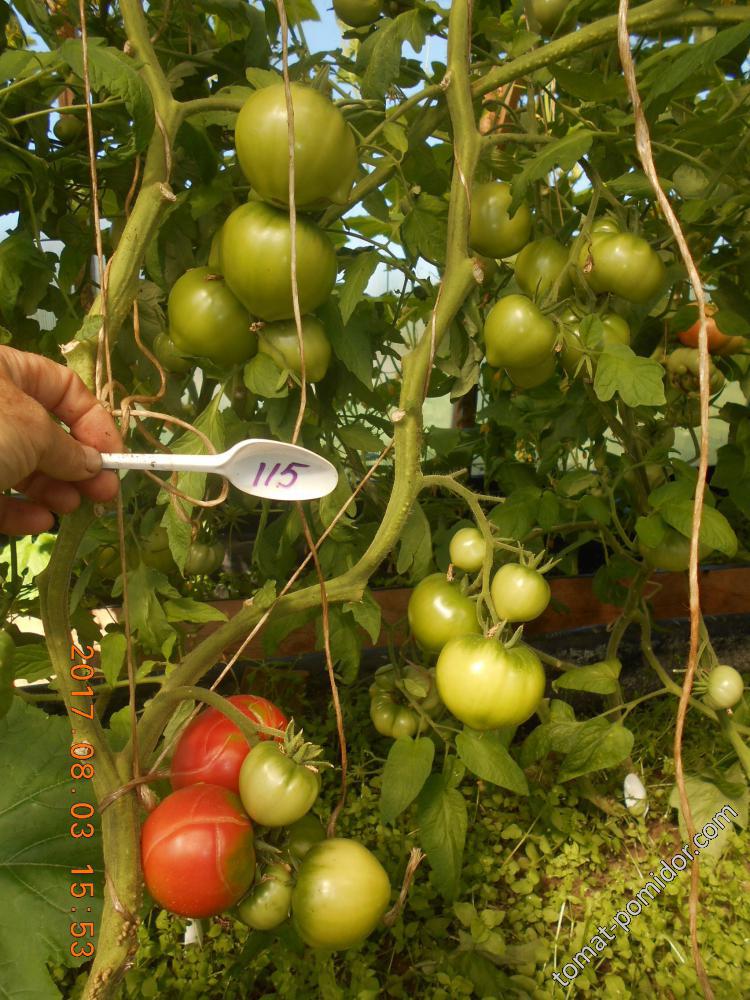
<point x="267" y="904"/>
<point x="486" y="684"/>
<point x="438" y="611"/>
<point x="212" y="748"/>
<point x="325" y="153"/>
<point x="207" y="321"/>
<point x="281" y="342"/>
<point x="340" y="895"/>
<point x="519" y="593"/>
<point x="276" y="788"/>
<point x="518" y="334"/>
<point x="254" y="255"/>
<point x="197" y="851"/>
<point x="725" y="686"/>
<point x="467" y="548"/>
<point x="494" y="232"/>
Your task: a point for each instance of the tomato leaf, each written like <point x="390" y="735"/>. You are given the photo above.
<point x="379" y="56"/>
<point x="650" y="530"/>
<point x="185" y="609"/>
<point x="563" y="153"/>
<point x="598" y="745"/>
<point x="709" y="794"/>
<point x="346" y="646"/>
<point x="415" y="545"/>
<point x="367" y="614"/>
<point x="425" y="229"/>
<point x="442" y="818"/>
<point x="716" y="531"/>
<point x="113" y="648"/>
<point x="406" y="769"/>
<point x="357" y="273"/>
<point x="358" y="437"/>
<point x="485" y="755"/>
<point x="596" y="678"/>
<point x="264" y="377"/>
<point x="689" y="60"/>
<point x="638" y="381"/>
<point x="351" y="345"/>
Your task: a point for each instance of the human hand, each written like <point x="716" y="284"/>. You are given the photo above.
<point x="51" y="467"/>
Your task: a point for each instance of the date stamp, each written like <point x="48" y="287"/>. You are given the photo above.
<point x="82" y="931"/>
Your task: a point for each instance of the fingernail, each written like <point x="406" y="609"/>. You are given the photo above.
<point x="91" y="458"/>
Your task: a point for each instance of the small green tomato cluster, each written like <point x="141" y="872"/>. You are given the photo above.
<point x="401" y="699"/>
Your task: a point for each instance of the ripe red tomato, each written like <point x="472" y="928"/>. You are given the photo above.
<point x="197" y="851"/>
<point x="493" y="232"/>
<point x="207" y="321"/>
<point x="517" y="334"/>
<point x="325" y="152"/>
<point x="718" y="342"/>
<point x="213" y="749"/>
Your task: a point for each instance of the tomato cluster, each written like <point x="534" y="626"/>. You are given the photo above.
<point x="243" y="301"/>
<point x="401" y="700"/>
<point x="198" y="846"/>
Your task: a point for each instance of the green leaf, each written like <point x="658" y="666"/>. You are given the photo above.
<point x="638" y="381"/>
<point x="650" y="530"/>
<point x="357" y="274"/>
<point x="37" y="851"/>
<point x="425" y="229"/>
<point x="379" y="57"/>
<point x="716" y="531"/>
<point x="395" y="134"/>
<point x="112" y="71"/>
<point x="32" y="662"/>
<point x="346" y="647"/>
<point x="442" y="819"/>
<point x="25" y="273"/>
<point x="517" y="516"/>
<point x="596" y="678"/>
<point x="595" y="509"/>
<point x="599" y="745"/>
<point x="352" y="344"/>
<point x="261" y="78"/>
<point x="147" y="618"/>
<point x="415" y="545"/>
<point x="485" y="755"/>
<point x="263" y="377"/>
<point x="358" y="437"/>
<point x="406" y="769"/>
<point x="563" y="153"/>
<point x="689" y="61"/>
<point x="114" y="646"/>
<point x="709" y="794"/>
<point x="589" y="87"/>
<point x="301" y="10"/>
<point x="185" y="609"/>
<point x="575" y="482"/>
<point x="367" y="614"/>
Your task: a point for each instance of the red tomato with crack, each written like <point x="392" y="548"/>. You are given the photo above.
<point x="213" y="749"/>
<point x="197" y="851"/>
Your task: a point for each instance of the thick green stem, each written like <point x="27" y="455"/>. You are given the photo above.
<point x="738" y="744"/>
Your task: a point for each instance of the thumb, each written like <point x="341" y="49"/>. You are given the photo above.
<point x="65" y="458"/>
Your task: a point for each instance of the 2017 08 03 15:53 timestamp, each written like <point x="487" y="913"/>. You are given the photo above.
<point x="82" y="931"/>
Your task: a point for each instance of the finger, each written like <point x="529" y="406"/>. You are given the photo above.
<point x="61" y="497"/>
<point x="102" y="488"/>
<point x="58" y="454"/>
<point x="22" y="517"/>
<point x="60" y="391"/>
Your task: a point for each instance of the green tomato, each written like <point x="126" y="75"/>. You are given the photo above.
<point x="67" y="128"/>
<point x="280" y="341"/>
<point x="539" y="265"/>
<point x="392" y="719"/>
<point x="202" y="559"/>
<point x="493" y="232"/>
<point x="325" y="151"/>
<point x="544" y="16"/>
<point x="534" y="375"/>
<point x="467" y="548"/>
<point x="517" y="334"/>
<point x="169" y="357"/>
<point x="415" y="683"/>
<point x="207" y="321"/>
<point x="358" y="13"/>
<point x="624" y="265"/>
<point x="107" y="562"/>
<point x="438" y="611"/>
<point x="672" y="554"/>
<point x="690" y="182"/>
<point x="519" y="593"/>
<point x="255" y="252"/>
<point x="486" y="685"/>
<point x="155" y="551"/>
<point x="614" y="330"/>
<point x="342" y="892"/>
<point x="725" y="686"/>
<point x="604" y="224"/>
<point x="267" y="904"/>
<point x="304" y="834"/>
<point x="276" y="790"/>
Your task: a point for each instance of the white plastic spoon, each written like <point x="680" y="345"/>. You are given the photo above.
<point x="274" y="470"/>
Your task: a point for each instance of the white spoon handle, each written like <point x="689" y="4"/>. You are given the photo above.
<point x="163" y="463"/>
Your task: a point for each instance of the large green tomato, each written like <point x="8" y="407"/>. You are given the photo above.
<point x="207" y="321"/>
<point x="254" y="251"/>
<point x="672" y="554"/>
<point x="276" y="790"/>
<point x="280" y="341"/>
<point x="267" y="904"/>
<point x="303" y="835"/>
<point x="203" y="559"/>
<point x="544" y="16"/>
<point x="358" y="13"/>
<point x="169" y="357"/>
<point x="625" y="265"/>
<point x="493" y="232"/>
<point x="155" y="551"/>
<point x="517" y="333"/>
<point x="342" y="892"/>
<point x="486" y="685"/>
<point x="519" y="593"/>
<point x="615" y="330"/>
<point x="539" y="265"/>
<point x="325" y="152"/>
<point x="438" y="611"/>
<point x="534" y="375"/>
<point x="725" y="686"/>
<point x="467" y="548"/>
